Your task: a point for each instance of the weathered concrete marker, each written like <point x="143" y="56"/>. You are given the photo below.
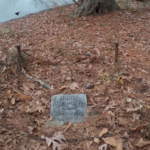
<point x="68" y="107"/>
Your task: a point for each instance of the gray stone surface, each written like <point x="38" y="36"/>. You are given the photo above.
<point x="68" y="107"/>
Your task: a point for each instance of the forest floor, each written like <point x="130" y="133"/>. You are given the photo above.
<point x="76" y="56"/>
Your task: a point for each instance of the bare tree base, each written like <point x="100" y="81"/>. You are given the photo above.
<point x="89" y="7"/>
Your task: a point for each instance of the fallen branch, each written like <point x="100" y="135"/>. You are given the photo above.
<point x="40" y="82"/>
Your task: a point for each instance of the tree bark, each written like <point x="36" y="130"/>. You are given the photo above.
<point x="89" y="7"/>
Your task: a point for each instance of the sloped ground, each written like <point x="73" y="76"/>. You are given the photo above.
<point x="68" y="54"/>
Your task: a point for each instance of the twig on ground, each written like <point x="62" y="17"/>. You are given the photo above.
<point x="40" y="82"/>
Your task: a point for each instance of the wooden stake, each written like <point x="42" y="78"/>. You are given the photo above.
<point x="19" y="61"/>
<point x="116" y="52"/>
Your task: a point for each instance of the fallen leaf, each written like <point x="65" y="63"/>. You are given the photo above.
<point x="122" y="121"/>
<point x="22" y="147"/>
<point x="87" y="25"/>
<point x="74" y="86"/>
<point x="40" y="109"/>
<point x="64" y="70"/>
<point x="111" y="113"/>
<point x="139" y="127"/>
<point x="56" y="145"/>
<point x="142" y="144"/>
<point x="143" y="71"/>
<point x="63" y="87"/>
<point x="136" y="117"/>
<point x="132" y="109"/>
<point x="119" y="145"/>
<point x="48" y="132"/>
<point x="7" y="141"/>
<point x="128" y="100"/>
<point x="120" y="80"/>
<point x="111" y="91"/>
<point x="13" y="101"/>
<point x="56" y="141"/>
<point x="96" y="140"/>
<point x="97" y="50"/>
<point x="8" y="95"/>
<point x="104" y="130"/>
<point x="4" y="69"/>
<point x="23" y="97"/>
<point x="103" y="147"/>
<point x="28" y="86"/>
<point x="2" y="138"/>
<point x="127" y="78"/>
<point x="110" y="140"/>
<point x="30" y="129"/>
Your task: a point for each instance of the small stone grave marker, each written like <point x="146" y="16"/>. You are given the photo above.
<point x="68" y="107"/>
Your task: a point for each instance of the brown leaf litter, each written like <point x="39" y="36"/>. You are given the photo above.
<point x="68" y="54"/>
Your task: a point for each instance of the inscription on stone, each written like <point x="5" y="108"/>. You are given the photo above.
<point x="68" y="107"/>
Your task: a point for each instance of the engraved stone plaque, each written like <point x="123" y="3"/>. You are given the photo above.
<point x="68" y="107"/>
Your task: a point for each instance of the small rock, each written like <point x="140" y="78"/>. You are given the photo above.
<point x="96" y="94"/>
<point x="131" y="36"/>
<point x="1" y="110"/>
<point x="87" y="54"/>
<point x="128" y="100"/>
<point x="126" y="135"/>
<point x="144" y="88"/>
<point x="138" y="80"/>
<point x="89" y="86"/>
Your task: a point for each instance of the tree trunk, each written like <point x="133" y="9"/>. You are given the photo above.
<point x="89" y="7"/>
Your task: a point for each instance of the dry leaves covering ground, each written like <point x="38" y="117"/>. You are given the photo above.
<point x="77" y="56"/>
